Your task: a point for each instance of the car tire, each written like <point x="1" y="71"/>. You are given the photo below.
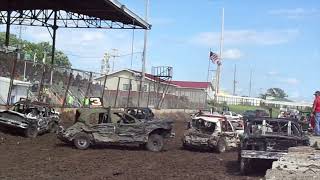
<point x="221" y="145"/>
<point x="53" y="127"/>
<point x="155" y="143"/>
<point x="82" y="141"/>
<point x="244" y="166"/>
<point x="31" y="132"/>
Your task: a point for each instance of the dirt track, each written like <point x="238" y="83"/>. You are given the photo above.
<point x="45" y="157"/>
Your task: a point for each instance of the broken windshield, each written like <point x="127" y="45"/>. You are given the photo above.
<point x="204" y="126"/>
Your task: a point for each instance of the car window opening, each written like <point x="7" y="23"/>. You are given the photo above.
<point x="204" y="126"/>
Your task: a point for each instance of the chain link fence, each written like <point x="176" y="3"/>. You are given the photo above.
<point x="66" y="87"/>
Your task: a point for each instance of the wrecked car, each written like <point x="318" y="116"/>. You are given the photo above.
<point x="232" y="115"/>
<point x="32" y="118"/>
<point x="143" y="113"/>
<point x="211" y="131"/>
<point x="268" y="139"/>
<point x="113" y="127"/>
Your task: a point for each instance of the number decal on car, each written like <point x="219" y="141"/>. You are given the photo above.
<point x="95" y="101"/>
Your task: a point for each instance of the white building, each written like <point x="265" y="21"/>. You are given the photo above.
<point x="178" y="94"/>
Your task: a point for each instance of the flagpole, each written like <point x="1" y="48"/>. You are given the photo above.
<point x="208" y="75"/>
<point x="208" y="67"/>
<point x="218" y="72"/>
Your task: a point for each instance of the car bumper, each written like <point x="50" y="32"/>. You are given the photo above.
<point x="251" y="154"/>
<point x="62" y="135"/>
<point x="13" y="123"/>
<point x="195" y="141"/>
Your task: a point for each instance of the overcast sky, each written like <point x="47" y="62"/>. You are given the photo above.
<point x="277" y="39"/>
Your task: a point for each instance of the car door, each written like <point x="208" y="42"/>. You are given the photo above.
<point x="103" y="130"/>
<point x="130" y="129"/>
<point x="229" y="133"/>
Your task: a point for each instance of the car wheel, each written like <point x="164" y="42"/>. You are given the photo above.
<point x="155" y="143"/>
<point x="244" y="166"/>
<point x="53" y="127"/>
<point x="31" y="132"/>
<point x="82" y="141"/>
<point x="222" y="145"/>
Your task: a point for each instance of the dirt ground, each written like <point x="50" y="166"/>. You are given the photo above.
<point x="45" y="157"/>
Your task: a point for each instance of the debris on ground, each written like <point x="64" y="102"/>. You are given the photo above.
<point x="300" y="163"/>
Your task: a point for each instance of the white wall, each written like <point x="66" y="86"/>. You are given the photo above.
<point x="4" y="88"/>
<point x="19" y="90"/>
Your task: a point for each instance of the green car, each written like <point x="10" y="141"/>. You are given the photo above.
<point x="113" y="127"/>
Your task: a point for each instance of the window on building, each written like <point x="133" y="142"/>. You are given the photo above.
<point x="145" y="88"/>
<point x="126" y="87"/>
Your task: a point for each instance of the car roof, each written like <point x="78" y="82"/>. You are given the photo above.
<point x="32" y="103"/>
<point x="273" y="119"/>
<point x="143" y="108"/>
<point x="86" y="112"/>
<point x="214" y="119"/>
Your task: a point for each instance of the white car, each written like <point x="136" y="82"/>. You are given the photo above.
<point x="212" y="131"/>
<point x="232" y="115"/>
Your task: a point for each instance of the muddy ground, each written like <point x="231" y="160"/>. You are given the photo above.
<point x="45" y="157"/>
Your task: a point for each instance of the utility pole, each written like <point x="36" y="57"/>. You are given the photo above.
<point x="132" y="48"/>
<point x="114" y="55"/>
<point x="218" y="73"/>
<point x="145" y="44"/>
<point x="234" y="79"/>
<point x="250" y="83"/>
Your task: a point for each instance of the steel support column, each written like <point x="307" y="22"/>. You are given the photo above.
<point x="7" y="41"/>
<point x="54" y="28"/>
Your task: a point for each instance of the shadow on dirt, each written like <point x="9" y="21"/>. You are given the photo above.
<point x="259" y="168"/>
<point x="113" y="147"/>
<point x="12" y="131"/>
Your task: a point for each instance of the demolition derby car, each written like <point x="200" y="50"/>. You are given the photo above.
<point x="211" y="131"/>
<point x="32" y="118"/>
<point x="111" y="127"/>
<point x="268" y="139"/>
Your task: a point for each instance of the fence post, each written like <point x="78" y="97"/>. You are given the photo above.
<point x="116" y="98"/>
<point x="104" y="87"/>
<point x="130" y="86"/>
<point x="139" y="96"/>
<point x="87" y="90"/>
<point x="41" y="82"/>
<point x="148" y="100"/>
<point x="66" y="93"/>
<point x="13" y="71"/>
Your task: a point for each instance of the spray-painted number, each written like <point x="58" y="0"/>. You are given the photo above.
<point x="95" y="101"/>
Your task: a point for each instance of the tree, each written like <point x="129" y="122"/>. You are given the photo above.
<point x="37" y="49"/>
<point x="274" y="92"/>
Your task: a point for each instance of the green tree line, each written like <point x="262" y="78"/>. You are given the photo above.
<point x="37" y="50"/>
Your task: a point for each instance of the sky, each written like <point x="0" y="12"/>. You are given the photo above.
<point x="276" y="39"/>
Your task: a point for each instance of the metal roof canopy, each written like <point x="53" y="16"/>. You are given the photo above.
<point x="101" y="14"/>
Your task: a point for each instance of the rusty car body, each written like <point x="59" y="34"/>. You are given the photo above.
<point x="114" y="127"/>
<point x="210" y="131"/>
<point x="268" y="139"/>
<point x="31" y="117"/>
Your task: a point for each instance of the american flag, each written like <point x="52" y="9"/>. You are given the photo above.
<point x="214" y="58"/>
